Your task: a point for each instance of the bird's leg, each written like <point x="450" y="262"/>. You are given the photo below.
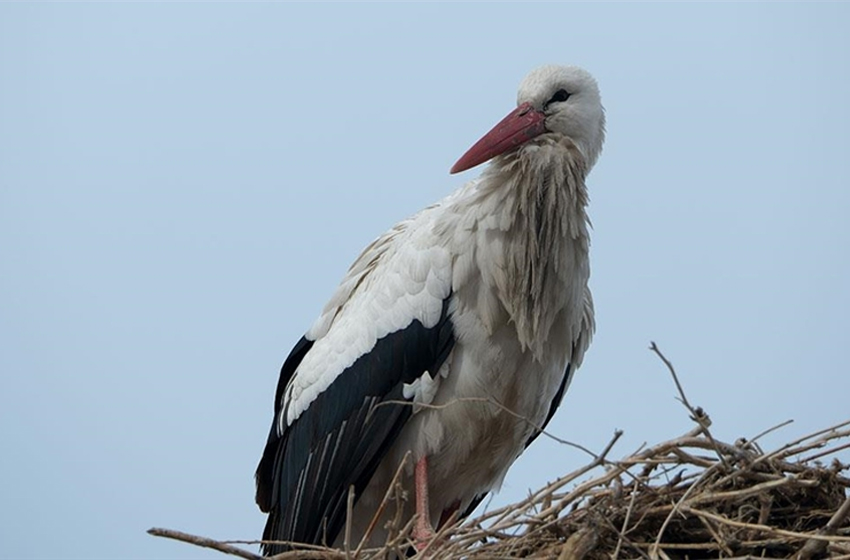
<point x="423" y="531"/>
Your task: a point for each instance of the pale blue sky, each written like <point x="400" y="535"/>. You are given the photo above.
<point x="182" y="186"/>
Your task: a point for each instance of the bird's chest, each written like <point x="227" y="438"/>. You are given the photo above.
<point x="509" y="359"/>
<point x="526" y="285"/>
<point x="517" y="297"/>
<point x="492" y="398"/>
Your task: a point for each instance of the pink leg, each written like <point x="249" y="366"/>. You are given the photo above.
<point x="423" y="531"/>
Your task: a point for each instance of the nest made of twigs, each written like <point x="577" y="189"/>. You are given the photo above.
<point x="690" y="497"/>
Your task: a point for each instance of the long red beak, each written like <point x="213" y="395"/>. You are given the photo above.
<point x="521" y="125"/>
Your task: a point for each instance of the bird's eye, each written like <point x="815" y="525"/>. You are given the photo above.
<point x="560" y="95"/>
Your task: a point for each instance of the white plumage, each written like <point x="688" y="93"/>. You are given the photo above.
<point x="475" y="311"/>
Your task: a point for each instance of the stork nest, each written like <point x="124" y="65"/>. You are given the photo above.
<point x="690" y="497"/>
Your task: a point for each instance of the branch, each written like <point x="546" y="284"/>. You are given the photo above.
<point x="698" y="415"/>
<point x="204" y="542"/>
<point x="816" y="547"/>
<point x="492" y="402"/>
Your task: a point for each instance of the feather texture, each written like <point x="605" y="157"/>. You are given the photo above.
<point x="453" y="336"/>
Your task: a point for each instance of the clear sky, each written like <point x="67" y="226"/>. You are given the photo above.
<point x="183" y="185"/>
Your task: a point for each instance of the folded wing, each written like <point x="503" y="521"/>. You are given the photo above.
<point x="340" y="402"/>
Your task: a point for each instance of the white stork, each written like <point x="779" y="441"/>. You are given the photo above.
<point x="453" y="336"/>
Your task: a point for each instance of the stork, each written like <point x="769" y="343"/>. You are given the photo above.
<point x="451" y="339"/>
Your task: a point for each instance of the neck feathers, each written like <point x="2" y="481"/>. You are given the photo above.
<point x="541" y="212"/>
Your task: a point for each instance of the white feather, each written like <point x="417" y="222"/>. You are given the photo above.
<point x="511" y="249"/>
<point x="515" y="331"/>
<point x="380" y="288"/>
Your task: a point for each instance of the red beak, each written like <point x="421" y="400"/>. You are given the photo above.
<point x="521" y="125"/>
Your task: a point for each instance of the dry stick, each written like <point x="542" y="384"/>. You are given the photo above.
<point x="798" y="441"/>
<point x="383" y="505"/>
<point x="764" y="528"/>
<point x="691" y="441"/>
<point x="472" y="530"/>
<point x="619" y="467"/>
<point x="816" y="444"/>
<point x="305" y="546"/>
<point x="790" y="449"/>
<point x="621" y="536"/>
<point x="654" y="348"/>
<point x="661" y="553"/>
<point x="395" y="542"/>
<point x="395" y="523"/>
<point x="739" y="493"/>
<point x="493" y="402"/>
<point x="622" y="532"/>
<point x="830" y="451"/>
<point x="349" y="508"/>
<point x="711" y="545"/>
<point x="769" y="430"/>
<point x="753" y="490"/>
<point x="698" y="416"/>
<point x="687" y="458"/>
<point x="780" y="456"/>
<point x="688" y="546"/>
<point x="815" y="547"/>
<point x="663" y="447"/>
<point x="204" y="542"/>
<point x="318" y="549"/>
<point x="328" y="554"/>
<point x="511" y="511"/>
<point x="655" y="550"/>
<point x="404" y="535"/>
<point x="598" y="461"/>
<point x="732" y="495"/>
<point x="716" y="536"/>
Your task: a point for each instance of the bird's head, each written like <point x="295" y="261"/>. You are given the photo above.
<point x="555" y="99"/>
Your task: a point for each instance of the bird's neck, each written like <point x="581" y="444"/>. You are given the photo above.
<point x="538" y="199"/>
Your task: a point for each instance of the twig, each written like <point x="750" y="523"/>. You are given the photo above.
<point x="600" y="460"/>
<point x="328" y="554"/>
<point x="384" y="503"/>
<point x="780" y="452"/>
<point x="724" y="503"/>
<point x="624" y="528"/>
<point x="716" y="536"/>
<point x="772" y="429"/>
<point x="698" y="415"/>
<point x="492" y="402"/>
<point x="816" y="547"/>
<point x="204" y="542"/>
<point x="763" y="528"/>
<point x="682" y="396"/>
<point x="349" y="515"/>
<point x="677" y="506"/>
<point x="830" y="451"/>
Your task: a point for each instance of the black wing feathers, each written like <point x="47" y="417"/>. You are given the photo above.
<point x="556" y="402"/>
<point x="265" y="471"/>
<point x="343" y="435"/>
